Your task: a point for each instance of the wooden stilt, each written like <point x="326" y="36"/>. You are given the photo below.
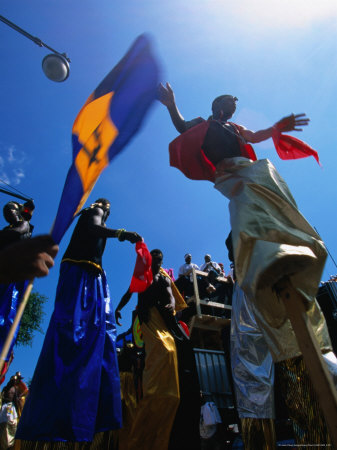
<point x="320" y="377"/>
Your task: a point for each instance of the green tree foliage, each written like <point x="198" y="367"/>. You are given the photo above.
<point x="31" y="319"/>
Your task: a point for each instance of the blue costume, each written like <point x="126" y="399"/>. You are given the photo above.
<point x="75" y="391"/>
<point x="10" y="296"/>
<point x="19" y="228"/>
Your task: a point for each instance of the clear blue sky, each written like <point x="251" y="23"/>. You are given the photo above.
<point x="276" y="57"/>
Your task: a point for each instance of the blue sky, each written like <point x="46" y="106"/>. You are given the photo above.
<point x="277" y="57"/>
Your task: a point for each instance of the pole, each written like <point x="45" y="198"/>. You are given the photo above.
<point x="36" y="40"/>
<point x="320" y="377"/>
<point x="6" y="191"/>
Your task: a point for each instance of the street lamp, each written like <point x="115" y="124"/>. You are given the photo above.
<point x="55" y="65"/>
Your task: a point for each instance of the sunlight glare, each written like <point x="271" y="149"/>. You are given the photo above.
<point x="279" y="13"/>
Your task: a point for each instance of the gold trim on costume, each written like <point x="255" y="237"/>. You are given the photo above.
<point x="85" y="261"/>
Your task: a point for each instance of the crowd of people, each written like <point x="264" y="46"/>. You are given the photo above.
<point x="76" y="396"/>
<point x="209" y="282"/>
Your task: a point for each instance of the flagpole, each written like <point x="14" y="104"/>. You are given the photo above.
<point x="18" y="317"/>
<point x="15" y="324"/>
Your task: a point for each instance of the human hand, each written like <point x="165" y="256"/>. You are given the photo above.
<point x="27" y="259"/>
<point x="131" y="236"/>
<point x="29" y="204"/>
<point x="118" y="316"/>
<point x="165" y="95"/>
<point x="170" y="307"/>
<point x="292" y="122"/>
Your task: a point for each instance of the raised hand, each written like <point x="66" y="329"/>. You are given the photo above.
<point x="292" y="123"/>
<point x="165" y="95"/>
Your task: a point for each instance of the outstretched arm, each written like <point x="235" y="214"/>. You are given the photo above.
<point x="166" y="97"/>
<point x="124" y="300"/>
<point x="289" y="123"/>
<point x="96" y="227"/>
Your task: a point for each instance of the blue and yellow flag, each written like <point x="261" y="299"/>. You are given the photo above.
<point x="108" y="120"/>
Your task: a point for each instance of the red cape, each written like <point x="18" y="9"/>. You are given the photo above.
<point x="142" y="276"/>
<point x="186" y="152"/>
<point x="289" y="147"/>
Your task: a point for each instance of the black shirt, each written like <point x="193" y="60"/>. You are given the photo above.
<point x="221" y="140"/>
<point x="86" y="244"/>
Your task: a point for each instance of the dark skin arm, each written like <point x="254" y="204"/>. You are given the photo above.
<point x="171" y="301"/>
<point x="166" y="97"/>
<point x="124" y="301"/>
<point x="27" y="259"/>
<point x="166" y="286"/>
<point x="167" y="293"/>
<point x="96" y="227"/>
<point x="293" y="122"/>
<point x="210" y="264"/>
<point x="289" y="123"/>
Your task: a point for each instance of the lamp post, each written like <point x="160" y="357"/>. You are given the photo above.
<point x="55" y="65"/>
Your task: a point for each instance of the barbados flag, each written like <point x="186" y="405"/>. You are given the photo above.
<point x="108" y="120"/>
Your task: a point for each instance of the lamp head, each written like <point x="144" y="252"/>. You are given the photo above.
<point x="56" y="67"/>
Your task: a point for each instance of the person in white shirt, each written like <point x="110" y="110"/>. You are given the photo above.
<point x="186" y="269"/>
<point x="185" y="279"/>
<point x="210" y="265"/>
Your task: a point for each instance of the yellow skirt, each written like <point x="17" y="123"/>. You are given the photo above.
<point x="157" y="409"/>
<point x="129" y="407"/>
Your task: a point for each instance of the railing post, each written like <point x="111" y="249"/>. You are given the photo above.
<point x="196" y="292"/>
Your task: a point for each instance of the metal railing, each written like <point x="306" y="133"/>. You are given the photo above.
<point x="213" y="377"/>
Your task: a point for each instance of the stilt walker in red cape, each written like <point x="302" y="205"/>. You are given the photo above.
<point x="275" y="249"/>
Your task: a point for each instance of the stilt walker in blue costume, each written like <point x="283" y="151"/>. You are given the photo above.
<point x="19" y="228"/>
<point x="75" y="392"/>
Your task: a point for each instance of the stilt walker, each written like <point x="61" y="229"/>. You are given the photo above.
<point x="272" y="241"/>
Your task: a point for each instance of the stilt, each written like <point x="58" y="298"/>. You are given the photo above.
<point x="320" y="377"/>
